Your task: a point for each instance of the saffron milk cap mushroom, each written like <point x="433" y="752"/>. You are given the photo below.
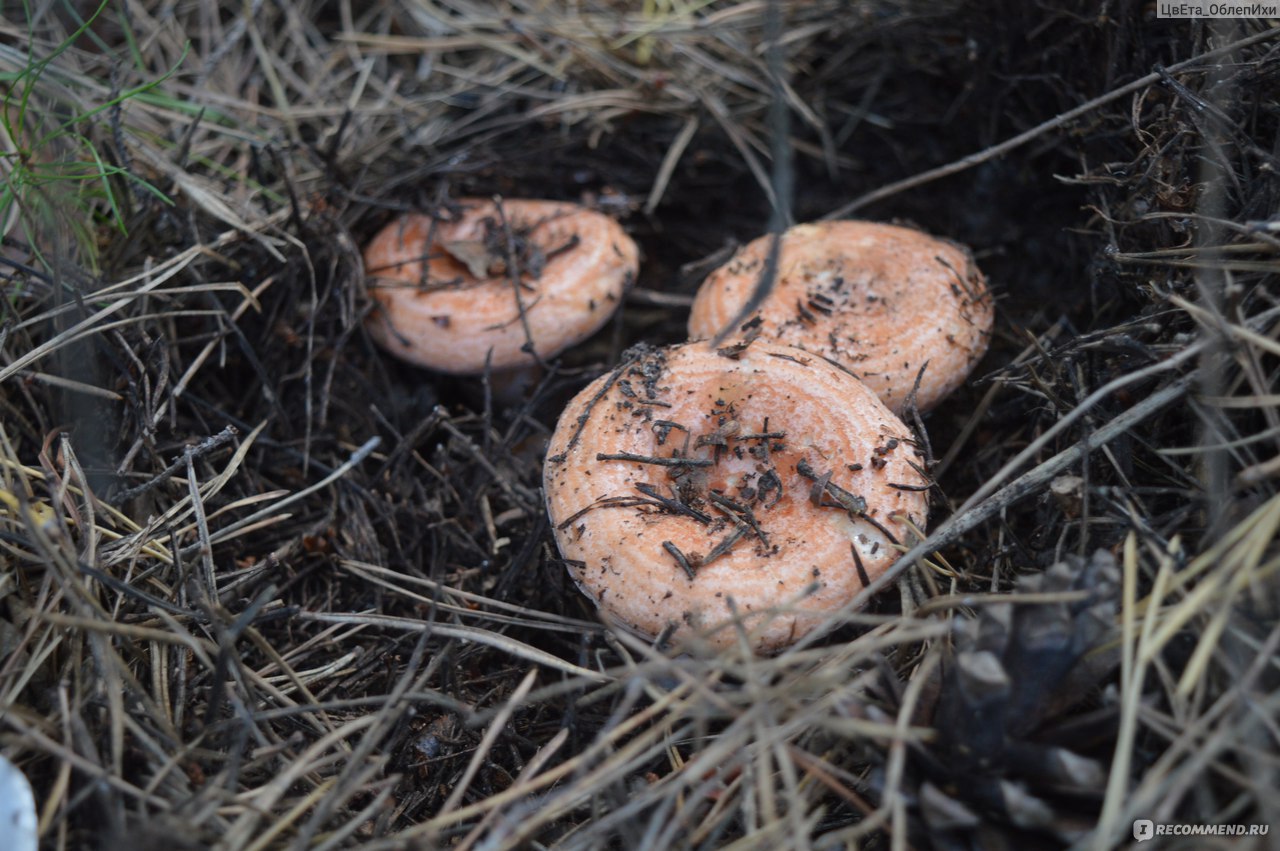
<point x="692" y="485"/>
<point x="881" y="300"/>
<point x="515" y="281"/>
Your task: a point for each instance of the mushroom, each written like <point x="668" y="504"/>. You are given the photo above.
<point x="692" y="485"/>
<point x="881" y="300"/>
<point x="515" y="281"/>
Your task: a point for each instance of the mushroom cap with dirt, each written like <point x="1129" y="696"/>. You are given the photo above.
<point x="514" y="281"/>
<point x="690" y="483"/>
<point x="881" y="300"/>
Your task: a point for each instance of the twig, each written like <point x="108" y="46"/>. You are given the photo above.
<point x="960" y="523"/>
<point x="1057" y="121"/>
<point x="274" y="509"/>
<point x="491" y="734"/>
<point x="464" y="633"/>
<point x="513" y="273"/>
<point x="1075" y="414"/>
<point x="204" y="447"/>
<point x="202" y="531"/>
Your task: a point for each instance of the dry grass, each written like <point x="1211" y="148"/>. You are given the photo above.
<point x="261" y="587"/>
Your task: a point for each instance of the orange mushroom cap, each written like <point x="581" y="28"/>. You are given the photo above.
<point x="879" y="299"/>
<point x="447" y="295"/>
<point x="767" y="476"/>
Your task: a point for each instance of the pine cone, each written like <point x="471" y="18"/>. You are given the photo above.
<point x="1005" y="768"/>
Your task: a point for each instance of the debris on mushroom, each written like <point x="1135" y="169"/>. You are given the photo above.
<point x="515" y="281"/>
<point x="692" y="486"/>
<point x="881" y="300"/>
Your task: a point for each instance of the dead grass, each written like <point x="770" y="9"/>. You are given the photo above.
<point x="260" y="587"/>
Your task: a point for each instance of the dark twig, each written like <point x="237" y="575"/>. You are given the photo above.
<point x="191" y="453"/>
<point x="658" y="460"/>
<point x="988" y="154"/>
<point x="956" y="526"/>
<point x="681" y="559"/>
<point x="513" y="272"/>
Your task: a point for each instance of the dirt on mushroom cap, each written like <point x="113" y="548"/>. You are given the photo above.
<point x="452" y="289"/>
<point x="688" y="477"/>
<point x="881" y="300"/>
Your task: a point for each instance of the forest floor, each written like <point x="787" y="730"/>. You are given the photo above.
<point x="262" y="586"/>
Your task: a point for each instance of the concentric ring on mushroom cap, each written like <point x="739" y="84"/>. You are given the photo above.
<point x="750" y="469"/>
<point x="879" y="299"/>
<point x="447" y="294"/>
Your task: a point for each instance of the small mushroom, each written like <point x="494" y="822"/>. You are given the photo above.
<point x="879" y="299"/>
<point x="516" y="281"/>
<point x="691" y="484"/>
